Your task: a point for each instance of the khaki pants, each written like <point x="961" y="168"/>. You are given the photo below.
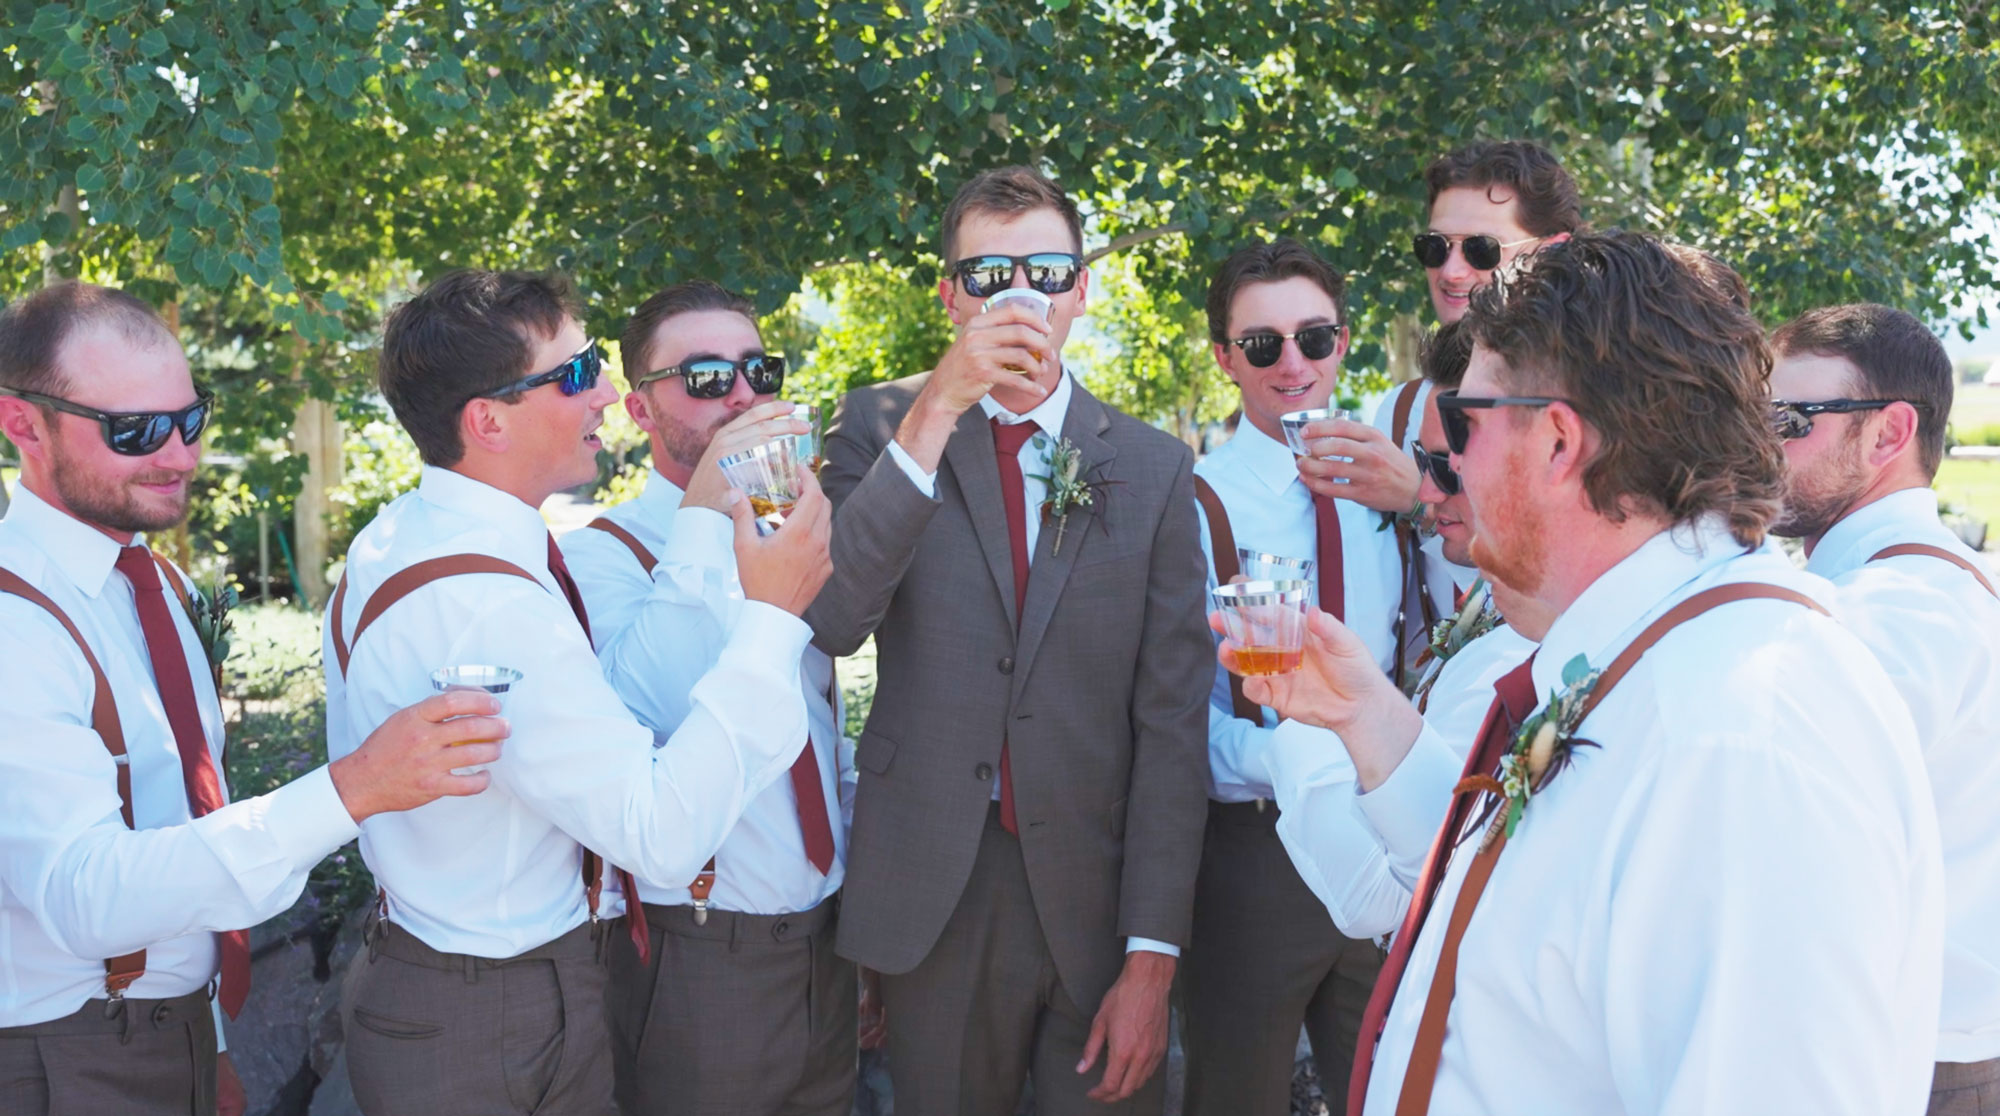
<point x="444" y="1034"/>
<point x="148" y="1058"/>
<point x="1264" y="958"/>
<point x="1966" y="1089"/>
<point x="745" y="1014"/>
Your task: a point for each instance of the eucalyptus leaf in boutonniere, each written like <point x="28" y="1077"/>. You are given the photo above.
<point x="1476" y="616"/>
<point x="1068" y="484"/>
<point x="1417" y="519"/>
<point x="1543" y="745"/>
<point x="209" y="613"/>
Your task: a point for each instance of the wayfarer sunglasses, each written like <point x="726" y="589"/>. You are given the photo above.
<point x="134" y="433"/>
<point x="1436" y="466"/>
<point x="714" y="377"/>
<point x="1458" y="428"/>
<point x="1795" y="420"/>
<point x="1051" y="273"/>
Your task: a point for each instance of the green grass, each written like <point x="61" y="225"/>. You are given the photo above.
<point x="1973" y="486"/>
<point x="1975" y="414"/>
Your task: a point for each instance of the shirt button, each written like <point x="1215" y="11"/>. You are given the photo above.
<point x="1006" y="666"/>
<point x="983" y="773"/>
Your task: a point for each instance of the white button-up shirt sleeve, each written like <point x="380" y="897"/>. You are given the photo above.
<point x="95" y="887"/>
<point x="1335" y="852"/>
<point x="926" y="482"/>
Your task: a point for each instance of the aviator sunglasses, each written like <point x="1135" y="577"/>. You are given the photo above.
<point x="1436" y="466"/>
<point x="1051" y="273"/>
<point x="574" y="376"/>
<point x="1795" y="420"/>
<point x="135" y="433"/>
<point x="714" y="377"/>
<point x="1263" y="349"/>
<point x="1482" y="252"/>
<point x="1458" y="427"/>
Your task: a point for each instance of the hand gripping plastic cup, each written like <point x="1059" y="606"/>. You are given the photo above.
<point x="493" y="680"/>
<point x="1267" y="622"/>
<point x="769" y="476"/>
<point x="1294" y="423"/>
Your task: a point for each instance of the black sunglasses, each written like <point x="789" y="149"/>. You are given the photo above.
<point x="574" y="376"/>
<point x="1795" y="420"/>
<point x="1436" y="466"/>
<point x="1051" y="273"/>
<point x="134" y="433"/>
<point x="1482" y="252"/>
<point x="714" y="377"/>
<point x="1263" y="349"/>
<point x="1457" y="427"/>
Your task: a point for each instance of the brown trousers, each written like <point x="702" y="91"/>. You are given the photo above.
<point x="985" y="1012"/>
<point x="444" y="1034"/>
<point x="746" y="1015"/>
<point x="150" y="1058"/>
<point x="1265" y="957"/>
<point x="1966" y="1089"/>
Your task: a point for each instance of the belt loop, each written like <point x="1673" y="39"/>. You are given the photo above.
<point x="735" y="934"/>
<point x="471" y="964"/>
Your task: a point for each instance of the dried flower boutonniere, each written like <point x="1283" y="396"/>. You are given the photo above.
<point x="209" y="613"/>
<point x="1476" y="615"/>
<point x="1543" y="745"/>
<point x="1068" y="486"/>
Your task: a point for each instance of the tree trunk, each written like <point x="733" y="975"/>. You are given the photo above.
<point x="317" y="435"/>
<point x="1405" y="348"/>
<point x="4" y="501"/>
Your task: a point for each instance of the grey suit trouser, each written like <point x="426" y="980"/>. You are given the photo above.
<point x="1264" y="957"/>
<point x="745" y="1015"/>
<point x="985" y="1011"/>
<point x="1966" y="1089"/>
<point x="446" y="1034"/>
<point x="150" y="1058"/>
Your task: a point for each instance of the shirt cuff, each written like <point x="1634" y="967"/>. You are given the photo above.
<point x="1406" y="810"/>
<point x="701" y="537"/>
<point x="926" y="482"/>
<point x="1135" y="945"/>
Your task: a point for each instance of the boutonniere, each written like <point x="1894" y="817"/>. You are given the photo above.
<point x="1417" y="519"/>
<point x="1068" y="485"/>
<point x="1543" y="745"/>
<point x="1476" y="615"/>
<point x="209" y="613"/>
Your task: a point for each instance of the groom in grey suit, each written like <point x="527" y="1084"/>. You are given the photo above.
<point x="1029" y="819"/>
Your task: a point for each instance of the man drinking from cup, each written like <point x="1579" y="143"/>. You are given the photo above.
<point x="1028" y="822"/>
<point x="483" y="986"/>
<point x="742" y="1004"/>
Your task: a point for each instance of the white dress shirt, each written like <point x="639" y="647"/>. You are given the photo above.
<point x="499" y="873"/>
<point x="76" y="886"/>
<point x="657" y="633"/>
<point x="1365" y="877"/>
<point x="1271" y="511"/>
<point x="1937" y="632"/>
<point x="1049" y="415"/>
<point x="1734" y="905"/>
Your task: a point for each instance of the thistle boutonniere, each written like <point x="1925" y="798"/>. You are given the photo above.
<point x="1068" y="484"/>
<point x="209" y="613"/>
<point x="1476" y="616"/>
<point x="1543" y="745"/>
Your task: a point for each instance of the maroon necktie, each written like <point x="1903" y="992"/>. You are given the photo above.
<point x="1513" y="700"/>
<point x="1008" y="438"/>
<point x="635" y="912"/>
<point x="204" y="786"/>
<point x="813" y="820"/>
<point x="1332" y="580"/>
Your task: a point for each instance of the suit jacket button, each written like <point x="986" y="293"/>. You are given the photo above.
<point x="1006" y="666"/>
<point x="983" y="773"/>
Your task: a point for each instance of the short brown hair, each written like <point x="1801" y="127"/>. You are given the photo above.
<point x="1010" y="191"/>
<point x="1545" y="195"/>
<point x="466" y="334"/>
<point x="635" y="345"/>
<point x="1657" y="357"/>
<point x="1894" y="357"/>
<point x="34" y="329"/>
<point x="1281" y="259"/>
<point x="1445" y="353"/>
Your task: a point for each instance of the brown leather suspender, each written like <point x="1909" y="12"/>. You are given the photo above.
<point x="1399" y="419"/>
<point x="1929" y="551"/>
<point x="631" y="541"/>
<point x="119" y="972"/>
<point x="402" y="584"/>
<point x="1222" y="542"/>
<point x="1421" y="1075"/>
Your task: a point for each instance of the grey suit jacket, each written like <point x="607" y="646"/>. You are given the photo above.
<point x="1102" y="695"/>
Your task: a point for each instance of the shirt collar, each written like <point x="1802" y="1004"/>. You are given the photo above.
<point x="1266" y="458"/>
<point x="1848" y="544"/>
<point x="661" y="498"/>
<point x="1628" y="592"/>
<point x="83" y="553"/>
<point x="1048" y="414"/>
<point x="506" y="513"/>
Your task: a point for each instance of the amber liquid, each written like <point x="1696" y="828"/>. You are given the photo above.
<point x="770" y="509"/>
<point x="1252" y="661"/>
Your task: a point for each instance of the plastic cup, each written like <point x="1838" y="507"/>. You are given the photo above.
<point x="1267" y="622"/>
<point x="808" y="446"/>
<point x="1294" y="423"/>
<point x="493" y="680"/>
<point x="1258" y="566"/>
<point x="1039" y="303"/>
<point x="769" y="476"/>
